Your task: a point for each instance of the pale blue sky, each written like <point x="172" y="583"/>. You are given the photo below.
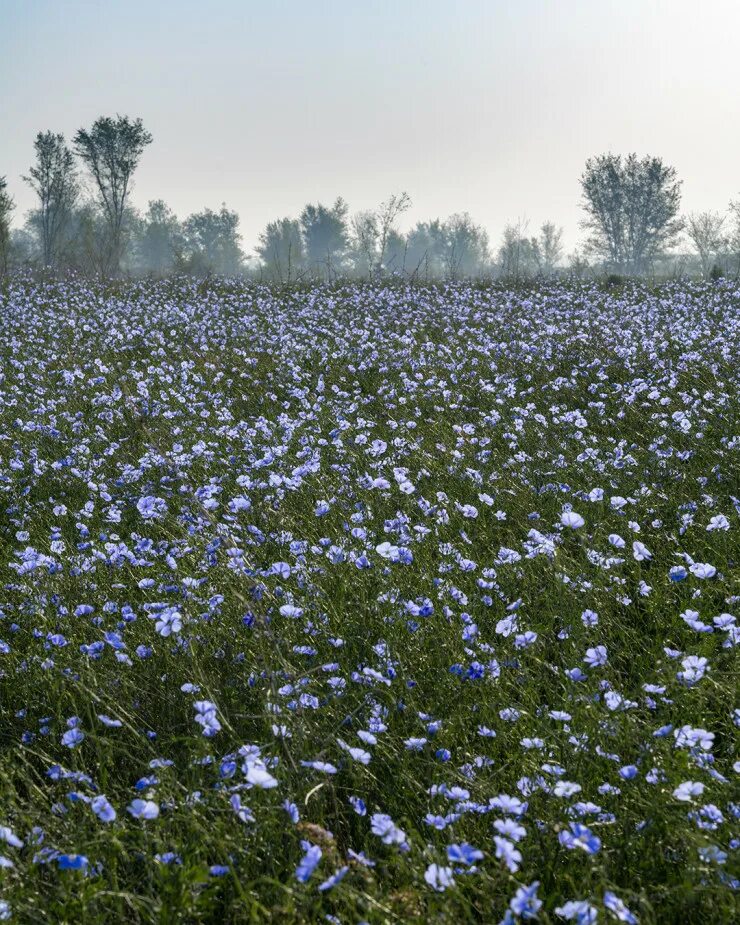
<point x="483" y="106"/>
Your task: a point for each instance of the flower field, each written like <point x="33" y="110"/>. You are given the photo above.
<point x="366" y="603"/>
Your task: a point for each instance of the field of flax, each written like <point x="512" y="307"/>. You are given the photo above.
<point x="367" y="603"/>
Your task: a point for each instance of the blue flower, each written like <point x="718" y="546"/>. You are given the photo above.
<point x="308" y="863"/>
<point x="73" y="737"/>
<point x="579" y="911"/>
<point x="169" y="621"/>
<point x="615" y="905"/>
<point x="335" y="878"/>
<point x="439" y="878"/>
<point x="72" y="862"/>
<point x="143" y="809"/>
<point x="102" y="808"/>
<point x="383" y="826"/>
<point x="464" y="854"/>
<point x="525" y="903"/>
<point x="580" y="836"/>
<point x="150" y="507"/>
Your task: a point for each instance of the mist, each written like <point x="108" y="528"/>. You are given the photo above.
<point x="489" y="111"/>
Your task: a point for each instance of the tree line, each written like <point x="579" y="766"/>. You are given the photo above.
<point x="84" y="220"/>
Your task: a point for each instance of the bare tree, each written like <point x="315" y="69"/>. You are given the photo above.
<point x="705" y="232"/>
<point x="54" y="180"/>
<point x="631" y="209"/>
<point x="375" y="238"/>
<point x="386" y="219"/>
<point x="111" y="150"/>
<point x="6" y="209"/>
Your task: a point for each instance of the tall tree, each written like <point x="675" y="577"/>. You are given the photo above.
<point x="111" y="150"/>
<point x="325" y="234"/>
<point x="280" y="248"/>
<point x="212" y="242"/>
<point x="364" y="242"/>
<point x="54" y="180"/>
<point x="548" y="248"/>
<point x="517" y="254"/>
<point x="394" y="260"/>
<point x="376" y="243"/>
<point x="705" y="232"/>
<point x="159" y="239"/>
<point x="734" y="239"/>
<point x="387" y="214"/>
<point x="466" y="248"/>
<point x="631" y="209"/>
<point x="6" y="209"/>
<point x="425" y="248"/>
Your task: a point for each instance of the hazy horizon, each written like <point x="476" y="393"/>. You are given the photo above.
<point x="489" y="108"/>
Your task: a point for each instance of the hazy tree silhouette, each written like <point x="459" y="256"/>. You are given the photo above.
<point x="6" y="209"/>
<point x="631" y="209"/>
<point x="325" y="234"/>
<point x="548" y="248"/>
<point x="281" y="249"/>
<point x="704" y="230"/>
<point x="212" y="243"/>
<point x="466" y="249"/>
<point x="111" y="150"/>
<point x="425" y="247"/>
<point x="160" y="239"/>
<point x="54" y="180"/>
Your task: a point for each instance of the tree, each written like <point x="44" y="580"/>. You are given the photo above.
<point x="6" y="208"/>
<point x="425" y="249"/>
<point x="364" y="242"/>
<point x="387" y="214"/>
<point x="280" y="248"/>
<point x="85" y="241"/>
<point x="734" y="239"/>
<point x="705" y="232"/>
<point x="517" y="254"/>
<point x="111" y="150"/>
<point x="54" y="180"/>
<point x="376" y="242"/>
<point x="212" y="243"/>
<point x="325" y="234"/>
<point x="548" y="248"/>
<point x="395" y="252"/>
<point x="466" y="251"/>
<point x="23" y="247"/>
<point x="159" y="240"/>
<point x="631" y="209"/>
<point x="578" y="265"/>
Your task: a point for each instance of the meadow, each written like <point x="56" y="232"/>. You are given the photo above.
<point x="369" y="602"/>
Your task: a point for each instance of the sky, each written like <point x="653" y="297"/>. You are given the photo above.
<point x="485" y="106"/>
